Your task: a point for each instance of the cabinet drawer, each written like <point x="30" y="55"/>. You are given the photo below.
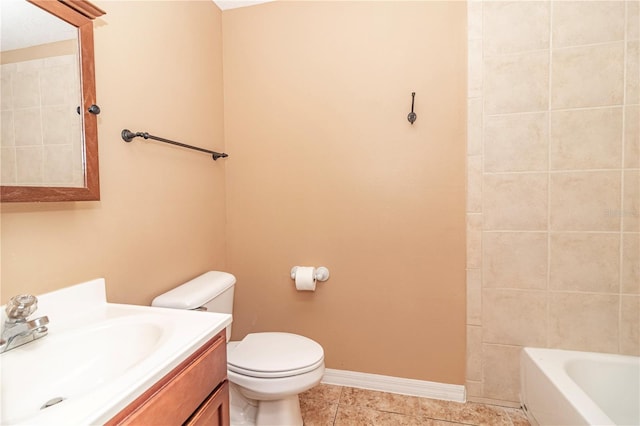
<point x="214" y="411"/>
<point x="178" y="395"/>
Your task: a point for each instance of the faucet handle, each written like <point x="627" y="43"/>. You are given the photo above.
<point x="21" y="306"/>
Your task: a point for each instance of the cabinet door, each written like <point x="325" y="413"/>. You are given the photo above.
<point x="214" y="411"/>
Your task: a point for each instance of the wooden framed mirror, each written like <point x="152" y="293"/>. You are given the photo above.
<point x="73" y="182"/>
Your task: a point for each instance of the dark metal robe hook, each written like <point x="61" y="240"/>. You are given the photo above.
<point x="412" y="115"/>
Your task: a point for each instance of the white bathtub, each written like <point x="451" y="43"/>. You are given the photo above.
<point x="579" y="388"/>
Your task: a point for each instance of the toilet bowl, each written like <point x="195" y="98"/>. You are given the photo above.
<point x="267" y="370"/>
<point x="272" y="369"/>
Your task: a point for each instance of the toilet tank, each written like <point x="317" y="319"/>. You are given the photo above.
<point x="211" y="292"/>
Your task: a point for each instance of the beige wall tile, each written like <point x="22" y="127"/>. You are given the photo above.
<point x="29" y="165"/>
<point x="32" y="65"/>
<point x="587" y="76"/>
<point x="6" y="129"/>
<point x="586" y="139"/>
<point x="7" y="166"/>
<point x="6" y="98"/>
<point x="630" y="325"/>
<point x="515" y="201"/>
<point x="474" y="126"/>
<point x="474" y="19"/>
<point x="474" y="222"/>
<point x="516" y="142"/>
<point x="474" y="353"/>
<point x="27" y="125"/>
<point x="632" y="137"/>
<point x="56" y="61"/>
<point x="474" y="388"/>
<point x="631" y="201"/>
<point x="474" y="240"/>
<point x="58" y="164"/>
<point x="585" y="201"/>
<point x="585" y="262"/>
<point x="501" y="372"/>
<point x="588" y="70"/>
<point x="25" y="88"/>
<point x="516" y="83"/>
<point x="531" y="17"/>
<point x="633" y="73"/>
<point x="584" y="322"/>
<point x="474" y="79"/>
<point x="474" y="183"/>
<point x="474" y="297"/>
<point x="56" y="125"/>
<point x="630" y="283"/>
<point x="514" y="260"/>
<point x="587" y="22"/>
<point x="514" y="317"/>
<point x="633" y="19"/>
<point x="56" y="84"/>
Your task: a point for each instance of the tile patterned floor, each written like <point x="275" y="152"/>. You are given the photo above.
<point x="327" y="405"/>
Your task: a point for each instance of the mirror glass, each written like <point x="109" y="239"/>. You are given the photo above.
<point x="49" y="146"/>
<point x="42" y="142"/>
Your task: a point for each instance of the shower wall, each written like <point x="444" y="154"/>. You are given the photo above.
<point x="553" y="210"/>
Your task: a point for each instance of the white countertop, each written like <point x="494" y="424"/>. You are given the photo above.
<point x="99" y="356"/>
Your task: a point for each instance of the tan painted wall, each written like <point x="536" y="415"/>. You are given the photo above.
<point x="326" y="170"/>
<point x="161" y="217"/>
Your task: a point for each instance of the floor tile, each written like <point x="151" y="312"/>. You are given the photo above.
<point x="382" y="401"/>
<point x="330" y="405"/>
<point x="468" y="413"/>
<point x="517" y="416"/>
<point x="357" y="415"/>
<point x="329" y="393"/>
<point x="316" y="412"/>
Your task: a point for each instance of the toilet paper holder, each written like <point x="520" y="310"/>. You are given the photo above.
<point x="321" y="273"/>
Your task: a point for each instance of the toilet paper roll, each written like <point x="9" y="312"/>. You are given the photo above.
<point x="306" y="278"/>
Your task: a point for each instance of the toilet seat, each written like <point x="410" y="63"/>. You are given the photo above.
<point x="274" y="355"/>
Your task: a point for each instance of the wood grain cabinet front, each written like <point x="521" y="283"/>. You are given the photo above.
<point x="214" y="411"/>
<point x="196" y="392"/>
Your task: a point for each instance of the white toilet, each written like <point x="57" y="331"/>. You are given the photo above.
<point x="266" y="371"/>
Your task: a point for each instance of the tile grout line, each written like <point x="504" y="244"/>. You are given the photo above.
<point x="335" y="415"/>
<point x="548" y="112"/>
<point x="483" y="121"/>
<point x="622" y="174"/>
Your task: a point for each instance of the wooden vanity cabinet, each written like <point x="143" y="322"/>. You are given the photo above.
<point x="196" y="392"/>
<point x="214" y="411"/>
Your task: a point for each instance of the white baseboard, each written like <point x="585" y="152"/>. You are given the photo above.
<point x="377" y="382"/>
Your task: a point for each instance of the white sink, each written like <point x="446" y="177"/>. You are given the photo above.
<point x="96" y="361"/>
<point x="75" y="363"/>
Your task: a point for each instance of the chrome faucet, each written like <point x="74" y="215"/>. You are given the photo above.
<point x="17" y="329"/>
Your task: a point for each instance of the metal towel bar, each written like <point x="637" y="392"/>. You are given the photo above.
<point x="128" y="136"/>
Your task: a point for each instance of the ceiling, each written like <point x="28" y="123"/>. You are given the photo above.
<point x="232" y="4"/>
<point x="23" y="25"/>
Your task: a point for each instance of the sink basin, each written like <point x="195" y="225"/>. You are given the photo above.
<point x="71" y="364"/>
<point x="97" y="357"/>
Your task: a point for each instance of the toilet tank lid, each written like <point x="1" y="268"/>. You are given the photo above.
<point x="197" y="292"/>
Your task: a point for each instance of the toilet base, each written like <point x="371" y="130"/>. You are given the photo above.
<point x="279" y="412"/>
<point x="249" y="412"/>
